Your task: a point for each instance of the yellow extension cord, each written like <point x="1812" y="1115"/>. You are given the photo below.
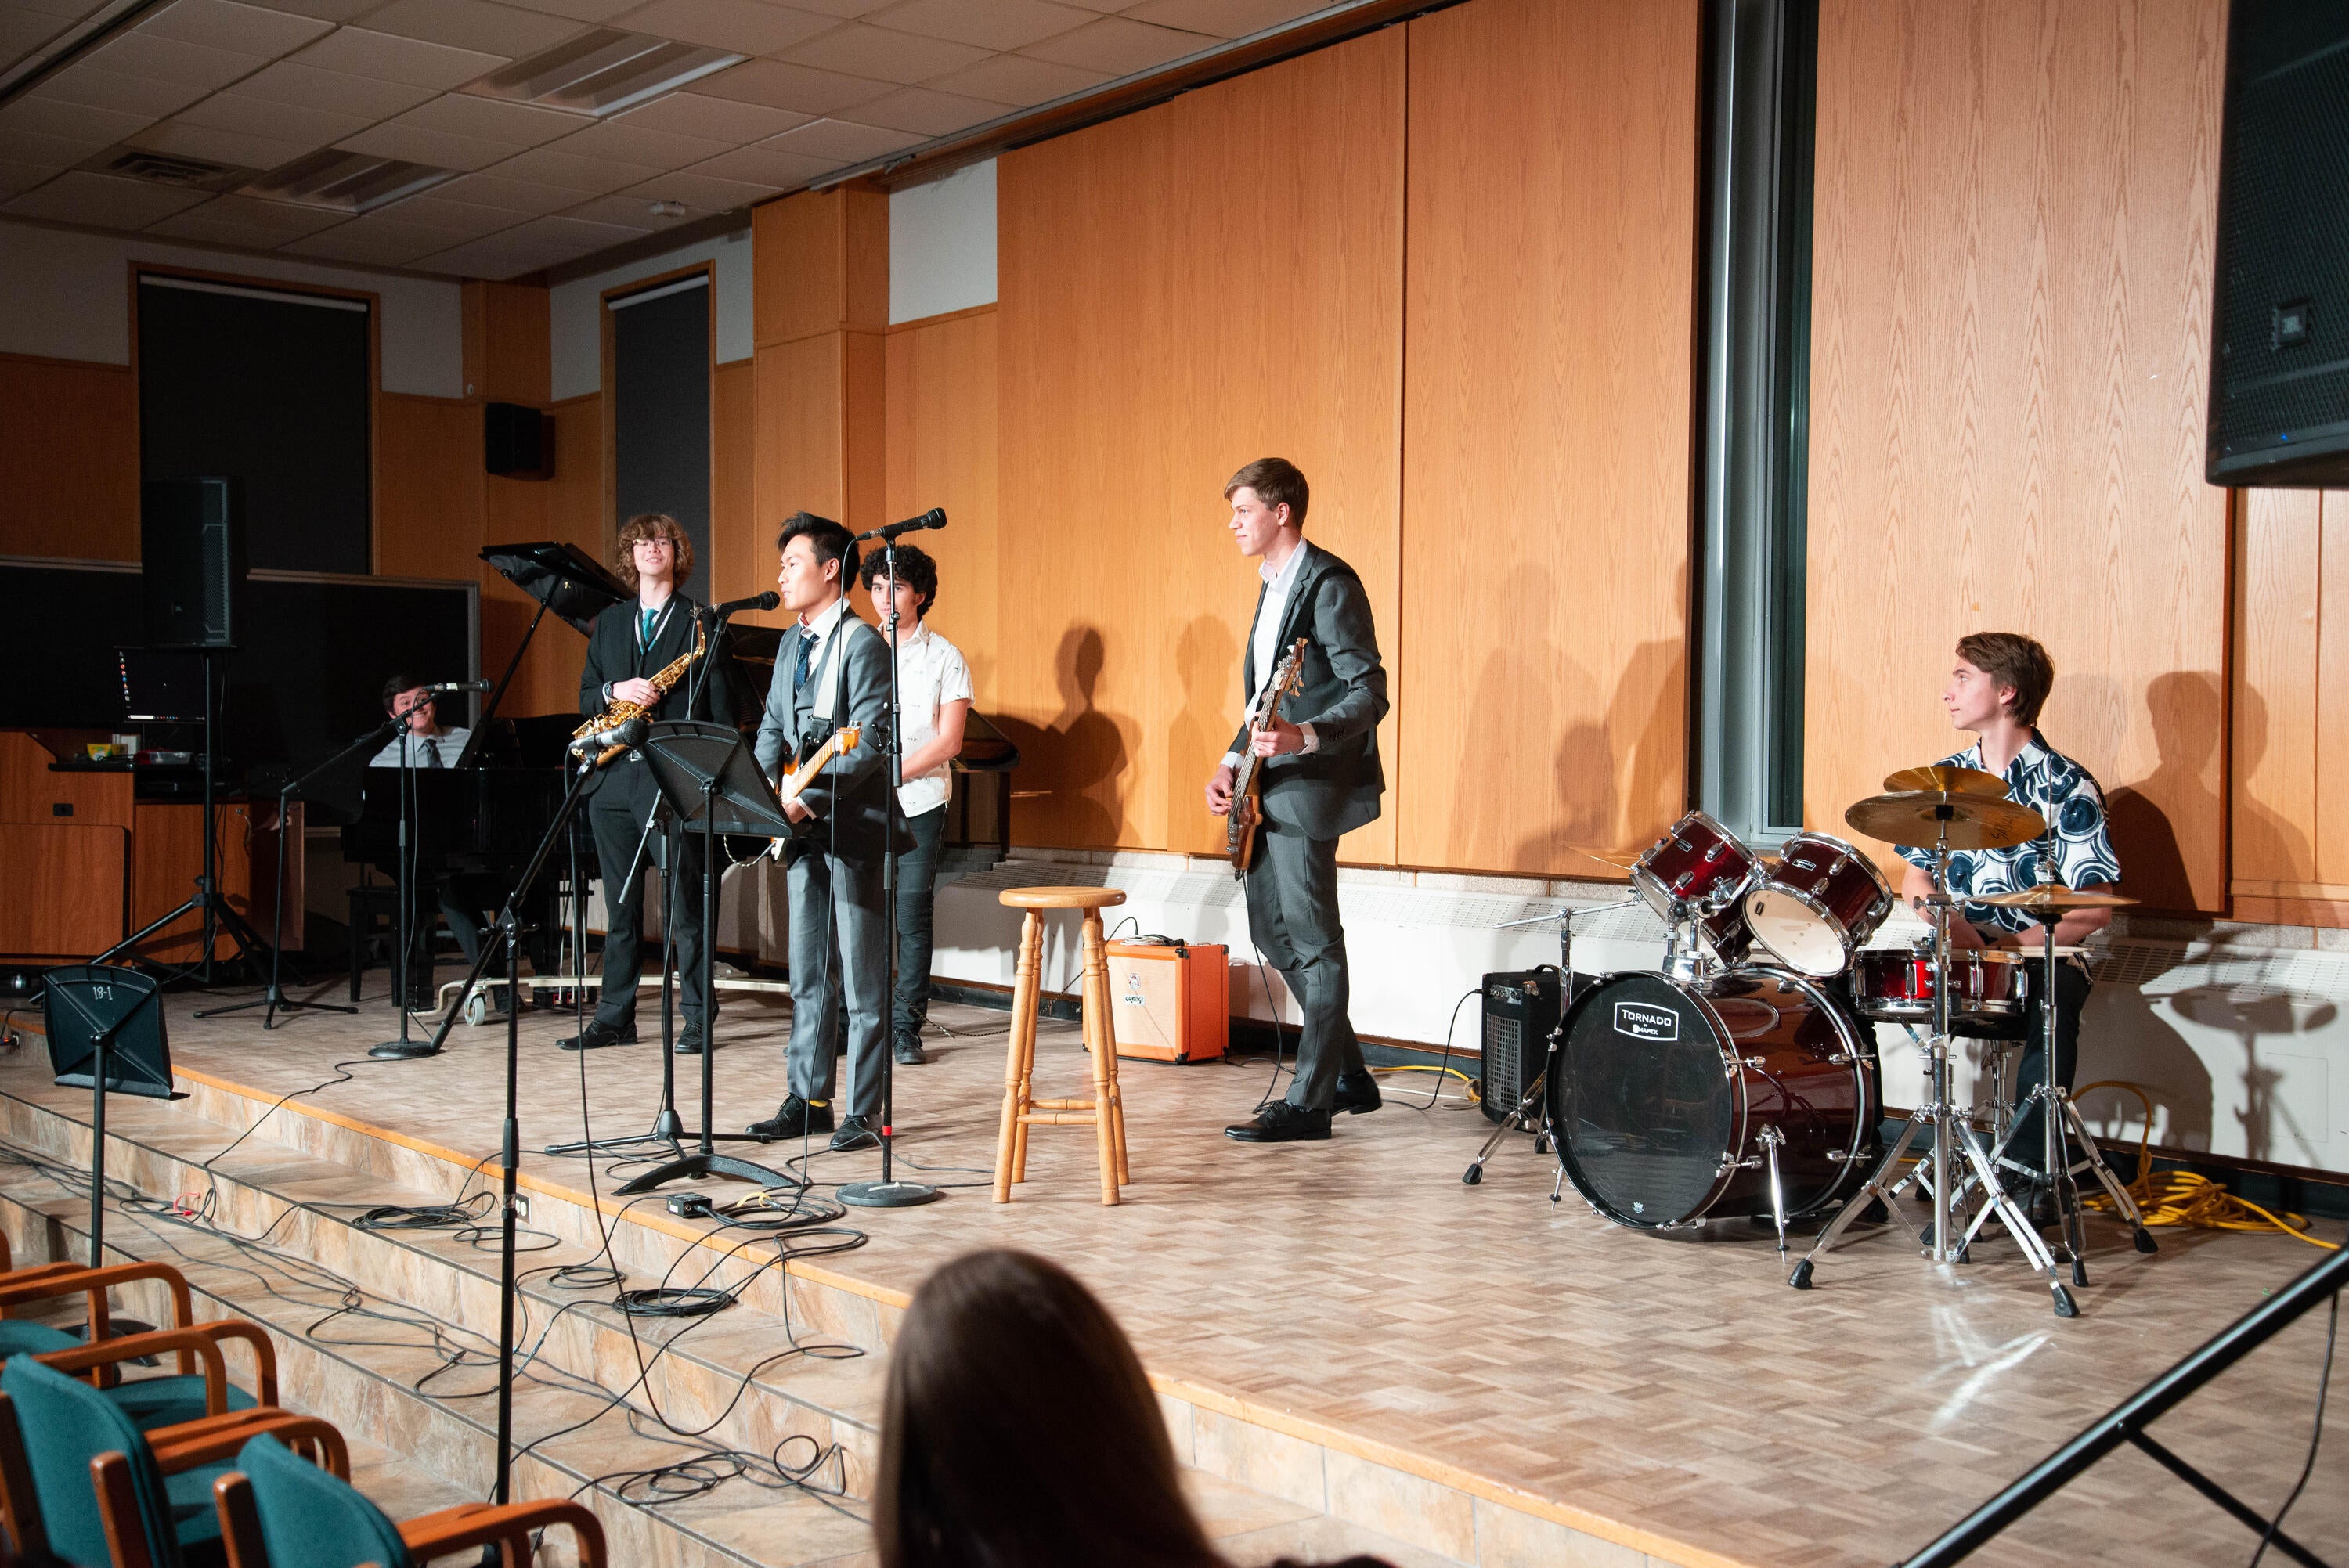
<point x="1473" y="1096"/>
<point x="2182" y="1198"/>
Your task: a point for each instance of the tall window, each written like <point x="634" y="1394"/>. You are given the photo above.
<point x="660" y="408"/>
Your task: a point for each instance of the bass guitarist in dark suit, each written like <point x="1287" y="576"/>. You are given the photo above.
<point x="1321" y="778"/>
<point x="628" y="645"/>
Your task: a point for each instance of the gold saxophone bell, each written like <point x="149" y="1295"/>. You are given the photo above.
<point x="620" y="713"/>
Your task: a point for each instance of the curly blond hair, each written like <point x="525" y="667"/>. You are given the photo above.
<point x="652" y="525"/>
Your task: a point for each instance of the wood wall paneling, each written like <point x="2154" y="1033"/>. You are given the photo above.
<point x="568" y="507"/>
<point x="63" y="884"/>
<point x="167" y="853"/>
<point x="821" y="260"/>
<point x="69" y="459"/>
<point x="429" y="498"/>
<point x="508" y="343"/>
<point x="941" y="451"/>
<point x="2011" y="299"/>
<point x="797" y="409"/>
<point x="1547" y="507"/>
<point x="2290" y="845"/>
<point x="31" y="792"/>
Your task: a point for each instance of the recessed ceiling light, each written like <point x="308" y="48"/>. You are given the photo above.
<point x="603" y="72"/>
<point x="344" y="181"/>
<point x="668" y="209"/>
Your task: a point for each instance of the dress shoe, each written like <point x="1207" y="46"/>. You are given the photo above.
<point x="599" y="1034"/>
<point x="1281" y="1122"/>
<point x="796" y="1118"/>
<point x="1357" y="1093"/>
<point x="688" y="1041"/>
<point x="856" y="1132"/>
<point x="909" y="1052"/>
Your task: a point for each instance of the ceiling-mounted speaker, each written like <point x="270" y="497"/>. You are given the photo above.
<point x="517" y="441"/>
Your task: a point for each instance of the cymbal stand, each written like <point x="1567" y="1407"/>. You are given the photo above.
<point x="1951" y="1135"/>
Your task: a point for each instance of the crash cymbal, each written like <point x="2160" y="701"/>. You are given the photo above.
<point x="1957" y="781"/>
<point x="1918" y="817"/>
<point x="2054" y="895"/>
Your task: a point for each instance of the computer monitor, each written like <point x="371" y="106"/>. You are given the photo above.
<point x="161" y="685"/>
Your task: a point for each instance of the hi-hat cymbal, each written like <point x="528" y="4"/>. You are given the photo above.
<point x="2054" y="895"/>
<point x="1923" y="818"/>
<point x="1957" y="781"/>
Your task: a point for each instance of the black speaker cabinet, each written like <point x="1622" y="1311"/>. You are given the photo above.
<point x="1520" y="1011"/>
<point x="2280" y="339"/>
<point x="516" y="441"/>
<point x="192" y="561"/>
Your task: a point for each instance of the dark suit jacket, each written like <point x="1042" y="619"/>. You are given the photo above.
<point x="850" y="799"/>
<point x="612" y="655"/>
<point x="1342" y="694"/>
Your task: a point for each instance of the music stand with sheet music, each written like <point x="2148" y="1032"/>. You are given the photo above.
<point x="105" y="1027"/>
<point x="563" y="578"/>
<point x="713" y="785"/>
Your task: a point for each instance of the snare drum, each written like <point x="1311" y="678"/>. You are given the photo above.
<point x="1700" y="863"/>
<point x="1815" y="908"/>
<point x="1895" y="985"/>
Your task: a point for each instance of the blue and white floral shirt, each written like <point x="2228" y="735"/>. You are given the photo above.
<point x="2059" y="789"/>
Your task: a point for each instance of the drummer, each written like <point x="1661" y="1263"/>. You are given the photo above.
<point x="1996" y="687"/>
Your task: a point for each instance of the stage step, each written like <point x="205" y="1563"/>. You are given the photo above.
<point x="325" y="1286"/>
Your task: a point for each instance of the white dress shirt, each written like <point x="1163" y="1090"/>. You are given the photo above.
<point x="439" y="750"/>
<point x="931" y="673"/>
<point x="1265" y="638"/>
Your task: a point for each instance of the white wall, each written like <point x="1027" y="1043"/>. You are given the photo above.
<point x="942" y="244"/>
<point x="578" y="335"/>
<point x="65" y="294"/>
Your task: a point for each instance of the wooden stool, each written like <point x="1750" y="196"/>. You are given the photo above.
<point x="1022" y="1109"/>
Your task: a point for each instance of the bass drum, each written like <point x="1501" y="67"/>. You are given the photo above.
<point x="1665" y="1087"/>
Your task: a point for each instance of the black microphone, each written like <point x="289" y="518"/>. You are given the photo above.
<point x="462" y="686"/>
<point x="630" y="732"/>
<point x="766" y="601"/>
<point x="934" y="518"/>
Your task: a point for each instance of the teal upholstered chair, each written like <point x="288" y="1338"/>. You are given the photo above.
<point x="282" y="1513"/>
<point x="149" y="1402"/>
<point x="106" y="1492"/>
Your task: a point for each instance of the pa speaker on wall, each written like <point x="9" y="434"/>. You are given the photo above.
<point x="516" y="441"/>
<point x="2279" y="340"/>
<point x="192" y="561"/>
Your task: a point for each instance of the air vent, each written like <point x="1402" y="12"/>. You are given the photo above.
<point x="344" y="181"/>
<point x="168" y="169"/>
<point x="603" y="72"/>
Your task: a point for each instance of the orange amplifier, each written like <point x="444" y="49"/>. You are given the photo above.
<point x="1169" y="1004"/>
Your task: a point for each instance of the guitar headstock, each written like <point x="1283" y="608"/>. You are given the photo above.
<point x="1291" y="668"/>
<point x="848" y="737"/>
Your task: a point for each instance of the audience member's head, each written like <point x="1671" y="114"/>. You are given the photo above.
<point x="1020" y="1432"/>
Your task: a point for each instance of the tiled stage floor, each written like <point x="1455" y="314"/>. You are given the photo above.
<point x="1673" y="1385"/>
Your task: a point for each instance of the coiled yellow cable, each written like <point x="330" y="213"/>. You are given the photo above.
<point x="2183" y="1198"/>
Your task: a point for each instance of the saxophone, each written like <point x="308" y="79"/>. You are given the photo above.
<point x="620" y="713"/>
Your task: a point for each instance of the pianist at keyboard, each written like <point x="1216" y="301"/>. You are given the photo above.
<point x="460" y="898"/>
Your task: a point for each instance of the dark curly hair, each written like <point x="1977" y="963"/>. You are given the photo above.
<point x="914" y="567"/>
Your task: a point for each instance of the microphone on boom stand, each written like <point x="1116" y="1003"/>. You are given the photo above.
<point x="934" y="518"/>
<point x="766" y="601"/>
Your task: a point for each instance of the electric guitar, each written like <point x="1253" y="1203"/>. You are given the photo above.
<point x="1248" y="779"/>
<point x="839" y="743"/>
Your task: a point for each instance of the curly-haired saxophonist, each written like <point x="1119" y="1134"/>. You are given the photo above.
<point x="629" y="644"/>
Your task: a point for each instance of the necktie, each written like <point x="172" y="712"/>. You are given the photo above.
<point x="645" y="638"/>
<point x="799" y="661"/>
<point x="431" y="751"/>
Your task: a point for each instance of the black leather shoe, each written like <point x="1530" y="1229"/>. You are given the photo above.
<point x="1281" y="1122"/>
<point x="857" y="1132"/>
<point x="909" y="1052"/>
<point x="796" y="1118"/>
<point x="599" y="1034"/>
<point x="1357" y="1093"/>
<point x="688" y="1041"/>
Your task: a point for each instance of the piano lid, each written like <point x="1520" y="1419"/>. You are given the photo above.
<point x="563" y="577"/>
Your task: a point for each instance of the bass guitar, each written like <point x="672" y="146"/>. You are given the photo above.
<point x="1248" y="779"/>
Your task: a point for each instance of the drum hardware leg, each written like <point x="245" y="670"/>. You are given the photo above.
<point x="2018" y="1226"/>
<point x="1475" y="1172"/>
<point x="2123" y="1206"/>
<point x="1771" y="1139"/>
<point x="1801" y="1278"/>
<point x="1558" y="1185"/>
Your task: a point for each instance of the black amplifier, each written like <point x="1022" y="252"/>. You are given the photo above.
<point x="1520" y="1012"/>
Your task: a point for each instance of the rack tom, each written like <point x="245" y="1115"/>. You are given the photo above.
<point x="1701" y="864"/>
<point x="1813" y="909"/>
<point x="1895" y="986"/>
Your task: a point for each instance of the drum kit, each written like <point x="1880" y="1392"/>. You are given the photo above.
<point x="1740" y="1079"/>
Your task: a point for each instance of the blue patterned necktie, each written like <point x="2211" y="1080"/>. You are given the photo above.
<point x="800" y="662"/>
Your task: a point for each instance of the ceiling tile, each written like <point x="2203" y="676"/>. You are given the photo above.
<point x="420" y="146"/>
<point x="858" y="51"/>
<point x="768" y="166"/>
<point x="159" y="59"/>
<point x="225" y="25"/>
<point x="337" y="92"/>
<point x="16" y="177"/>
<point x="242" y="221"/>
<point x="1120" y="47"/>
<point x="380" y="242"/>
<point x="718" y="118"/>
<point x="639" y="144"/>
<point x="840" y="140"/>
<point x="521" y="197"/>
<point x="182" y="140"/>
<point x="474" y="24"/>
<point x="573" y="171"/>
<point x="111" y="89"/>
<point x="102" y="200"/>
<point x="745" y="25"/>
<point x="929" y="113"/>
<point x="541" y="243"/>
<point x="45" y="151"/>
<point x="803" y="89"/>
<point x="65" y="10"/>
<point x="579" y="10"/>
<point x="22" y="32"/>
<point x="847" y="10"/>
<point x="389" y="58"/>
<point x="626" y="212"/>
<point x="71" y="121"/>
<point x="285" y="121"/>
<point x="1017" y="81"/>
<point x="513" y="125"/>
<point x="326" y="10"/>
<point x="458" y="219"/>
<point x="702" y="193"/>
<point x="998" y="24"/>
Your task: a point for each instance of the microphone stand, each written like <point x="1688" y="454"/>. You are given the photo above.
<point x="404" y="901"/>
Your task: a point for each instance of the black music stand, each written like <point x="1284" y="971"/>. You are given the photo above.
<point x="710" y="780"/>
<point x="105" y="1028"/>
<point x="563" y="578"/>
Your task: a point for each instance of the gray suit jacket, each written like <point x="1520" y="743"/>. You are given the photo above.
<point x="850" y="799"/>
<point x="1342" y="694"/>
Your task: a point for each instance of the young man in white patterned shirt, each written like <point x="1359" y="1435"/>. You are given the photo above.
<point x="933" y="694"/>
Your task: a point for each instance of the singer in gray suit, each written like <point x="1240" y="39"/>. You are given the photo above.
<point x="831" y="671"/>
<point x="1321" y="778"/>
